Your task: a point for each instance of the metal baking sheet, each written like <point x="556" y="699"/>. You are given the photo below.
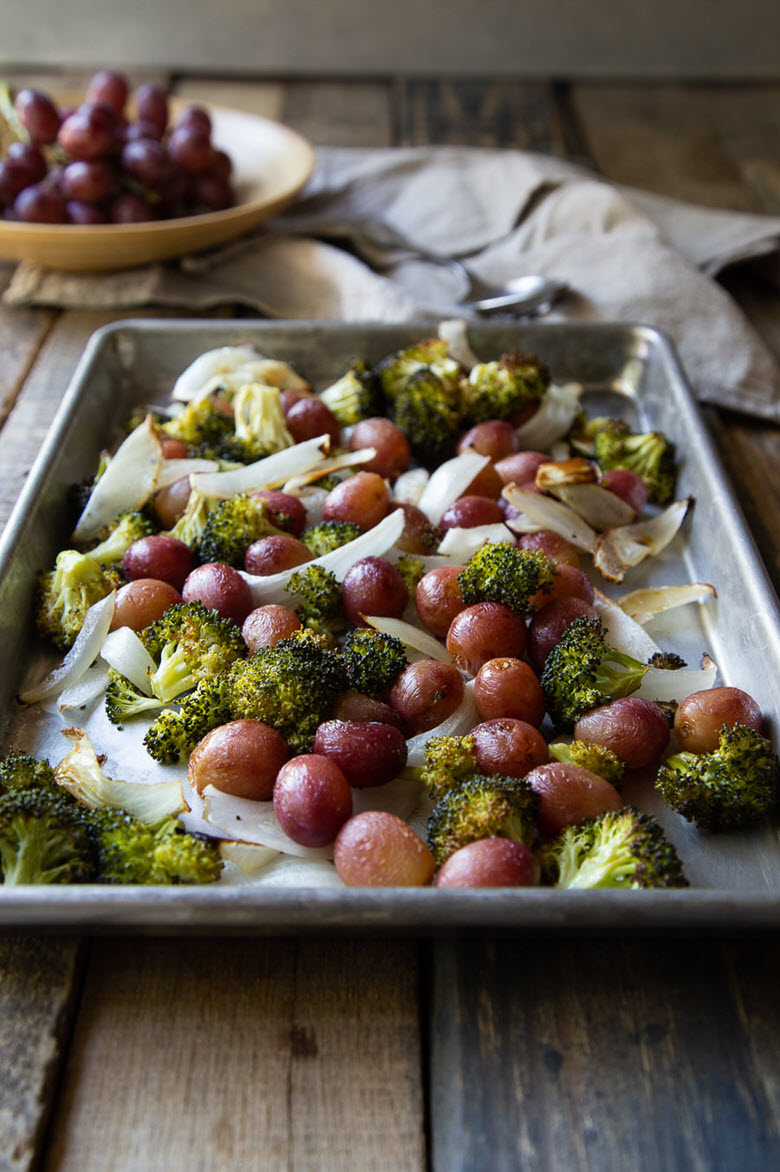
<point x="631" y="369"/>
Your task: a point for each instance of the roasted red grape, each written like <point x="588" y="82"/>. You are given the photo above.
<point x="363" y="499"/>
<point x="373" y="587"/>
<point x="159" y="556"/>
<point x="549" y="623"/>
<point x="221" y="588"/>
<point x="425" y="694"/>
<point x="356" y="706"/>
<point x="508" y="746"/>
<point x="286" y="511"/>
<point x="376" y="849"/>
<point x="495" y="438"/>
<point x="552" y="545"/>
<point x="438" y="598"/>
<point x="241" y="758"/>
<point x="309" y="418"/>
<point x="509" y="687"/>
<point x="271" y="555"/>
<point x="490" y="862"/>
<point x="520" y="467"/>
<point x="266" y="625"/>
<point x="469" y="511"/>
<point x="142" y="601"/>
<point x="482" y="632"/>
<point x="701" y="716"/>
<point x="636" y="730"/>
<point x="630" y="487"/>
<point x="369" y="754"/>
<point x="568" y="794"/>
<point x="393" y="454"/>
<point x="312" y="799"/>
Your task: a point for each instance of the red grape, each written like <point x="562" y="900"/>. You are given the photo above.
<point x="490" y="862"/>
<point x="373" y="587"/>
<point x="241" y="758"/>
<point x="151" y="105"/>
<point x="159" y="556"/>
<point x="376" y="849"/>
<point x="130" y="209"/>
<point x="39" y="204"/>
<point x="88" y="134"/>
<point x="266" y="625"/>
<point x="312" y="799"/>
<point x="190" y="148"/>
<point x="469" y="511"/>
<point x="482" y="632"/>
<point x="221" y="588"/>
<point x="363" y="498"/>
<point x="393" y="454"/>
<point x="701" y="716"/>
<point x="110" y="88"/>
<point x="211" y="193"/>
<point x="508" y="746"/>
<point x="78" y="212"/>
<point x="88" y="182"/>
<point x="425" y="694"/>
<point x="509" y="687"/>
<point x="38" y="114"/>
<point x="438" y="598"/>
<point x="147" y="161"/>
<point x="568" y="794"/>
<point x="368" y="753"/>
<point x="635" y="730"/>
<point x="142" y="601"/>
<point x="194" y="117"/>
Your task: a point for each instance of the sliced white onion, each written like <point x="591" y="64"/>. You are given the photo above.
<point x="288" y="872"/>
<point x="622" y="632"/>
<point x="454" y="331"/>
<point x="410" y="636"/>
<point x="80" y="773"/>
<point x="173" y="470"/>
<point x="270" y="472"/>
<point x="248" y="856"/>
<point x="253" y="822"/>
<point x="462" y="721"/>
<point x="677" y="683"/>
<point x="598" y="506"/>
<point x="124" y="651"/>
<point x="450" y="481"/>
<point x="460" y="545"/>
<point x="206" y="372"/>
<point x="373" y="543"/>
<point x="410" y="486"/>
<point x="326" y="467"/>
<point x="91" y="685"/>
<point x="626" y="546"/>
<point x="642" y="605"/>
<point x="82" y="654"/>
<point x="126" y="484"/>
<point x="553" y="419"/>
<point x="551" y="514"/>
<point x="397" y="797"/>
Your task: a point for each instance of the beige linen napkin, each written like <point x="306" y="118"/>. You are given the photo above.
<point x="370" y="237"/>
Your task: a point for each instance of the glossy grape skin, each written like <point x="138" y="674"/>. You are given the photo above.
<point x="509" y="687"/>
<point x="373" y="587"/>
<point x="151" y="106"/>
<point x="368" y="753"/>
<point x="286" y="511"/>
<point x="636" y="730"/>
<point x="170" y="502"/>
<point x="509" y="746"/>
<point x="520" y="467"/>
<point x="486" y="483"/>
<point x="482" y="632"/>
<point x="88" y="182"/>
<point x="552" y="545"/>
<point x="630" y="487"/>
<point x="393" y="454"/>
<point x="290" y="396"/>
<point x="38" y="115"/>
<point x="309" y="417"/>
<point x="271" y="555"/>
<point x="211" y="193"/>
<point x="363" y="499"/>
<point x="549" y="623"/>
<point x="78" y="212"/>
<point x="377" y="849"/>
<point x="129" y="208"/>
<point x="146" y="160"/>
<point x="469" y="511"/>
<point x="221" y="588"/>
<point x="28" y="162"/>
<point x="159" y="556"/>
<point x="222" y="165"/>
<point x="425" y="694"/>
<point x="39" y="204"/>
<point x="490" y="862"/>
<point x="241" y="758"/>
<point x="194" y="117"/>
<point x="141" y="602"/>
<point x="88" y="134"/>
<point x="569" y="794"/>
<point x="357" y="707"/>
<point x="495" y="438"/>
<point x="569" y="582"/>
<point x="266" y="625"/>
<point x="190" y="148"/>
<point x="700" y="717"/>
<point x="312" y="799"/>
<point x="173" y="449"/>
<point x="438" y="598"/>
<point x="110" y="88"/>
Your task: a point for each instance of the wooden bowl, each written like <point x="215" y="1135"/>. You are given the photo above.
<point x="270" y="166"/>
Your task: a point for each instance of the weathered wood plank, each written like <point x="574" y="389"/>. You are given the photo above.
<point x="354" y="114"/>
<point x="256" y="97"/>
<point x="474" y="113"/>
<point x="714" y="145"/>
<point x="624" y="1057"/>
<point x="244" y="1054"/>
<point x="38" y="979"/>
<point x="21" y="335"/>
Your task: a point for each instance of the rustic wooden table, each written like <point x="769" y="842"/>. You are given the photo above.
<point x="461" y="1054"/>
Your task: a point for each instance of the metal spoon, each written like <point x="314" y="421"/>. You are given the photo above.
<point x="530" y="295"/>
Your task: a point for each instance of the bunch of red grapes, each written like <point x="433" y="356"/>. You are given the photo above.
<point x="91" y="165"/>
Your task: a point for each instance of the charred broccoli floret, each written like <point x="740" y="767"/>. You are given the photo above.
<point x="320" y="606"/>
<point x="482" y="807"/>
<point x="202" y="421"/>
<point x="730" y="787"/>
<point x="622" y="848"/>
<point x="190" y="643"/>
<point x="426" y="412"/>
<point x="259" y="425"/>
<point x="373" y="661"/>
<point x="597" y="758"/>
<point x="66" y="593"/>
<point x="120" y="535"/>
<point x="412" y="570"/>
<point x="232" y="527"/>
<point x="666" y="660"/>
<point x="123" y="699"/>
<point x="354" y="396"/>
<point x="292" y="686"/>
<point x="43" y="838"/>
<point x="449" y="761"/>
<point x="500" y="572"/>
<point x="329" y="535"/>
<point x="174" y="734"/>
<point x="651" y="455"/>
<point x="430" y="355"/>
<point x="497" y="390"/>
<point x="130" y="851"/>
<point x="20" y="771"/>
<point x="582" y="672"/>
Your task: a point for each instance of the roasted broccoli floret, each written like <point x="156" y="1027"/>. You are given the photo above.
<point x="126" y="528"/>
<point x="66" y="593"/>
<point x="123" y="700"/>
<point x="173" y="735"/>
<point x="191" y="524"/>
<point x="43" y="838"/>
<point x="190" y="643"/>
<point x="20" y="771"/>
<point x="202" y="421"/>
<point x="232" y="527"/>
<point x="320" y="606"/>
<point x="500" y="572"/>
<point x="373" y="661"/>
<point x="430" y="355"/>
<point x="482" y="807"/>
<point x="588" y="755"/>
<point x="329" y="535"/>
<point x="259" y="424"/>
<point x="622" y="848"/>
<point x="412" y="570"/>
<point x="426" y="412"/>
<point x="354" y="396"/>
<point x="497" y="390"/>
<point x="666" y="660"/>
<point x="730" y="787"/>
<point x="651" y="455"/>
<point x="582" y="672"/>
<point x="449" y="761"/>
<point x="130" y="851"/>
<point x="292" y="686"/>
